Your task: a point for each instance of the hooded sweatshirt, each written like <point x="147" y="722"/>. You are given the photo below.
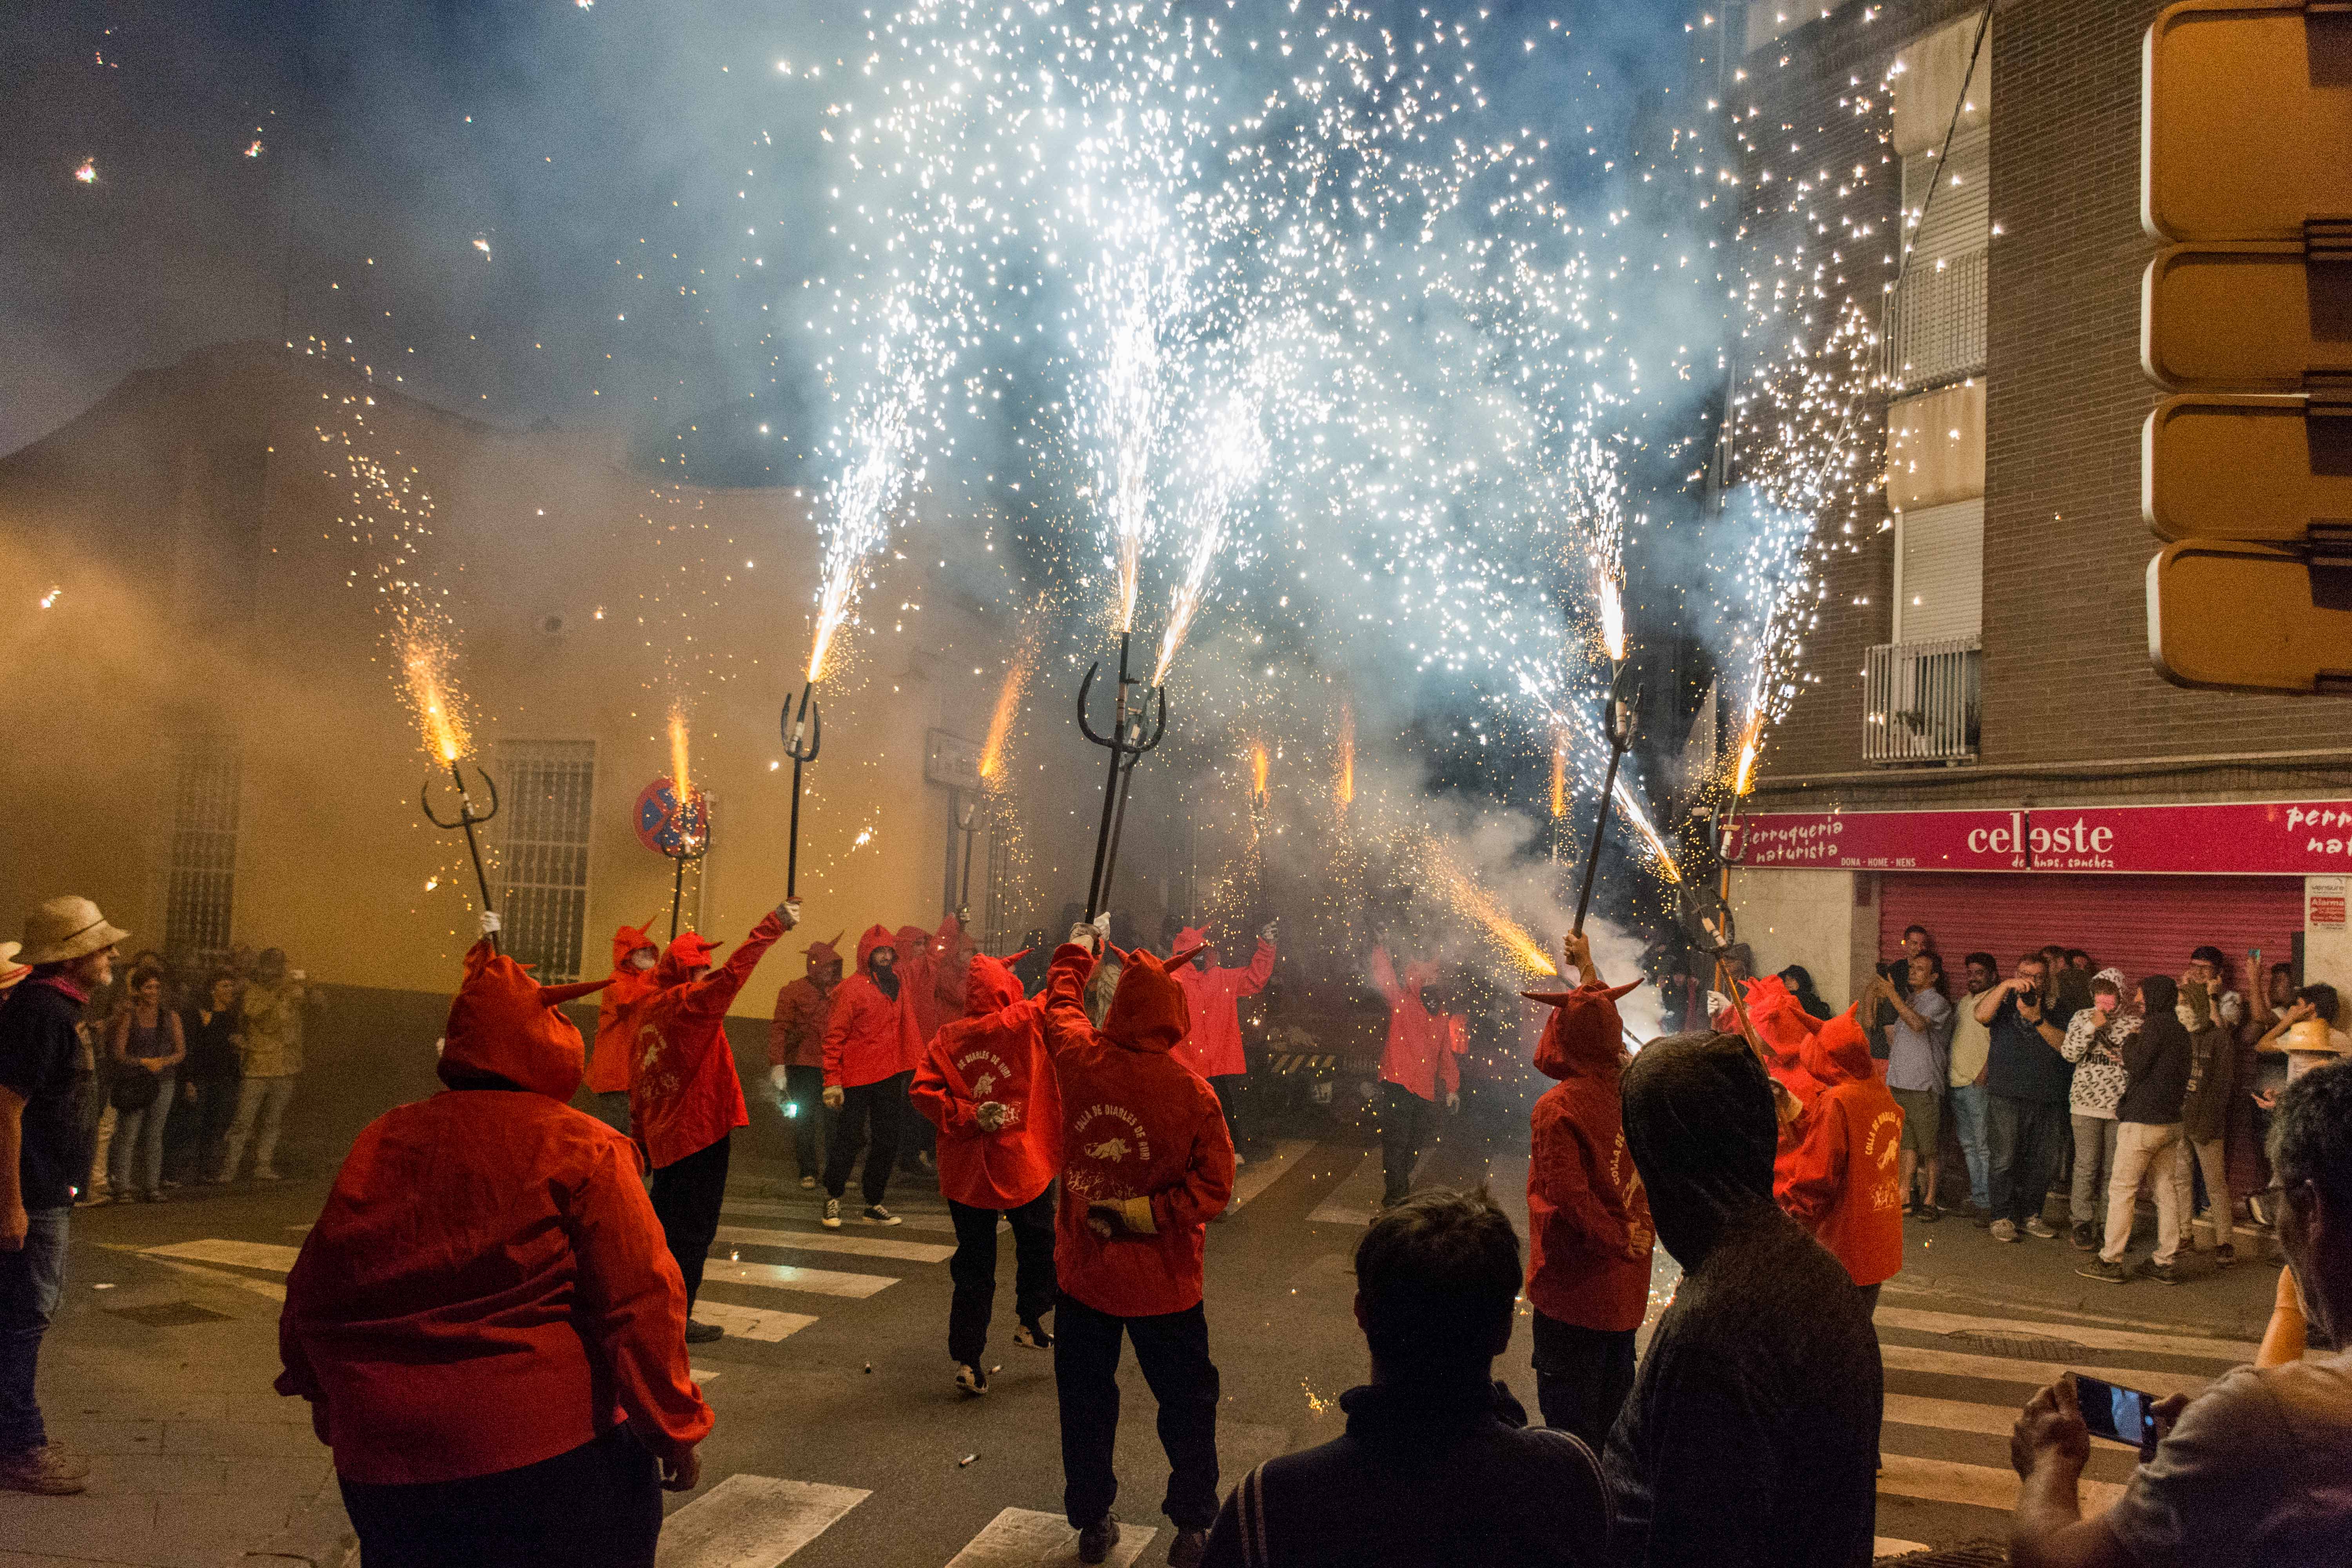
<point x="1842" y="1185"/>
<point x="1751" y="1436"/>
<point x="608" y="1069"/>
<point x="684" y="1094"/>
<point x="918" y="972"/>
<point x="796" y="1035"/>
<point x="996" y="1051"/>
<point x="1139" y="1128"/>
<point x="1213" y="996"/>
<point x="952" y="956"/>
<point x="2094" y="1044"/>
<point x="1589" y="1230"/>
<point x="2158" y="1058"/>
<point x="486" y="1286"/>
<point x="1424" y="1053"/>
<point x="871" y="1034"/>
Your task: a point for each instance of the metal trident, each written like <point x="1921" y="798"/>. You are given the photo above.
<point x="1623" y="703"/>
<point x="1127" y="745"/>
<point x="467" y="818"/>
<point x="803" y="736"/>
<point x="690" y="847"/>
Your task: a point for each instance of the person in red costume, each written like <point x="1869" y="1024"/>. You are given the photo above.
<point x="989" y="1087"/>
<point x="685" y="1097"/>
<point x="484" y="1319"/>
<point x="1588" y="1229"/>
<point x="871" y="1047"/>
<point x="1842" y="1187"/>
<point x="919" y="965"/>
<point x="1420" y="1067"/>
<point x="634" y="957"/>
<point x="1214" y="1048"/>
<point x="1147" y="1165"/>
<point x="952" y="951"/>
<point x="796" y="1051"/>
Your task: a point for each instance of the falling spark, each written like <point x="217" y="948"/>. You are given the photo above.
<point x="1344" y="791"/>
<point x="254" y="149"/>
<point x="1472" y="903"/>
<point x="87" y="173"/>
<point x="1631" y="809"/>
<point x="483" y="245"/>
<point x="1000" y="722"/>
<point x="1560" y="791"/>
<point x="50" y="597"/>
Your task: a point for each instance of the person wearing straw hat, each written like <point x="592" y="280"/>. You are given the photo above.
<point x="46" y="1077"/>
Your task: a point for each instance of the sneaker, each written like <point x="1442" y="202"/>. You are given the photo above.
<point x="972" y="1379"/>
<point x="1187" y="1549"/>
<point x="2225" y="1255"/>
<point x="1096" y="1539"/>
<point x="2101" y="1270"/>
<point x="1929" y="1214"/>
<point x="808" y="1183"/>
<point x="266" y="1176"/>
<point x="1033" y="1337"/>
<point x="158" y="1196"/>
<point x="48" y="1469"/>
<point x="2004" y="1230"/>
<point x="701" y="1333"/>
<point x="1238" y="1163"/>
<point x="877" y="1215"/>
<point x="93" y="1200"/>
<point x="2085" y="1237"/>
<point x="832" y="1213"/>
<point x="2041" y="1227"/>
<point x="2163" y="1273"/>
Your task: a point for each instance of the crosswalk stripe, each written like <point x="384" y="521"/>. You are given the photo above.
<point x="1260" y="1174"/>
<point x="1978" y="1486"/>
<point x="1351" y="1200"/>
<point x="2228" y="1353"/>
<point x="807" y="1211"/>
<point x="236" y="1254"/>
<point x="752" y="1521"/>
<point x="832" y="1241"/>
<point x="1887" y="1546"/>
<point x="2002" y="1369"/>
<point x="784" y="1276"/>
<point x="1960" y="1416"/>
<point x="270" y="1289"/>
<point x="750" y="1322"/>
<point x="1024" y="1538"/>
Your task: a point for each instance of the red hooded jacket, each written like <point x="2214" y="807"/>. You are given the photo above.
<point x="796" y="1034"/>
<point x="870" y="1036"/>
<point x="918" y="974"/>
<point x="996" y="1051"/>
<point x="1589" y="1230"/>
<point x="684" y="1094"/>
<point x="1139" y="1128"/>
<point x="488" y="1286"/>
<point x="1423" y="1052"/>
<point x="951" y="957"/>
<point x="1213" y="1046"/>
<point x="608" y="1069"/>
<point x="1843" y="1187"/>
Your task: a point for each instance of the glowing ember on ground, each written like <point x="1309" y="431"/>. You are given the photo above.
<point x="87" y="172"/>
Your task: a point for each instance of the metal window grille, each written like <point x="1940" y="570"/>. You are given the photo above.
<point x="200" y="874"/>
<point x="1936" y="328"/>
<point x="545" y="792"/>
<point x="1922" y="701"/>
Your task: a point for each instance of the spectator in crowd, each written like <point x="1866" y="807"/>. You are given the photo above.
<point x="2252" y="1470"/>
<point x="145" y="1044"/>
<point x="208" y="1078"/>
<point x="1438" y="1464"/>
<point x="2209" y="966"/>
<point x="2306" y="1032"/>
<point x="2095" y="1036"/>
<point x="1800" y="982"/>
<point x="46" y="1071"/>
<point x="1878" y="1018"/>
<point x="796" y="1052"/>
<point x="1971" y="1048"/>
<point x="2264" y="1074"/>
<point x="1752" y="1433"/>
<point x="2026" y="1085"/>
<point x="1919" y="1059"/>
<point x="2212" y="1060"/>
<point x="2077" y="959"/>
<point x="1840" y="1189"/>
<point x="2148" y="1126"/>
<point x="270" y="1048"/>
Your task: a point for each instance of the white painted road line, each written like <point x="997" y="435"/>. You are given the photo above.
<point x="1978" y="1486"/>
<point x="1024" y="1538"/>
<point x="267" y="1287"/>
<point x="807" y="1212"/>
<point x="1260" y="1174"/>
<point x="2033" y="1374"/>
<point x="784" y="1276"/>
<point x="1958" y="1416"/>
<point x="1351" y="1200"/>
<point x="236" y="1254"/>
<point x="1887" y="1546"/>
<point x="835" y="1241"/>
<point x="2228" y="1353"/>
<point x="750" y="1322"/>
<point x="752" y="1521"/>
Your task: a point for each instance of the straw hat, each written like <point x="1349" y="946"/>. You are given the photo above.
<point x="11" y="971"/>
<point x="67" y="927"/>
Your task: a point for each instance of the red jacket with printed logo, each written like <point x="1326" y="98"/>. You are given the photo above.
<point x="1589" y="1230"/>
<point x="995" y="1051"/>
<point x="870" y="1037"/>
<point x="1212" y="1048"/>
<point x="1842" y="1186"/>
<point x="1139" y="1128"/>
<point x="684" y="1094"/>
<point x="608" y="1069"/>
<point x="1424" y="1050"/>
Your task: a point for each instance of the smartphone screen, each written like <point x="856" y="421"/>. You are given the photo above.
<point x="2118" y="1414"/>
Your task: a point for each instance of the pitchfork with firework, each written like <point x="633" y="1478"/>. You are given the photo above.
<point x="1127" y="744"/>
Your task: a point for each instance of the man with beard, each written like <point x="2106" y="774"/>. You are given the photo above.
<point x="872" y="1043"/>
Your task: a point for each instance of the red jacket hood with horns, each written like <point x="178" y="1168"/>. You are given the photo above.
<point x="1843" y="1181"/>
<point x="870" y="1037"/>
<point x="1588" y="1229"/>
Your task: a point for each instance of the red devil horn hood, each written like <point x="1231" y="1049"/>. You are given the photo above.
<point x="991" y="986"/>
<point x="874" y="936"/>
<point x="1838" y="1052"/>
<point x="821" y="954"/>
<point x="1148" y="1011"/>
<point x="1584" y="1036"/>
<point x="687" y="952"/>
<point x="503" y="1023"/>
<point x="628" y="939"/>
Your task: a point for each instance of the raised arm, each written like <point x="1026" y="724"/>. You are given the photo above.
<point x="1067" y="1027"/>
<point x="1250" y="981"/>
<point x="711" y="995"/>
<point x="1384" y="980"/>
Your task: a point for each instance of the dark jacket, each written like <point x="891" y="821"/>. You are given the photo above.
<point x="212" y="1046"/>
<point x="45" y="1059"/>
<point x="1420" y="1479"/>
<point x="2157" y="1058"/>
<point x="2213" y="1061"/>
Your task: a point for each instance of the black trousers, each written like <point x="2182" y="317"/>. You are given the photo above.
<point x="1582" y="1376"/>
<point x="1174" y="1352"/>
<point x="686" y="1196"/>
<point x="598" y="1506"/>
<point x="1408" y="1126"/>
<point x="1231" y="1089"/>
<point x="2027" y="1139"/>
<point x="805" y="1092"/>
<point x="870" y="1117"/>
<point x="973" y="1270"/>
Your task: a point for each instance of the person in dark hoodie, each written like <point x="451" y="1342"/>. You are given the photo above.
<point x="872" y="1043"/>
<point x="2147" y="1130"/>
<point x="1751" y="1436"/>
<point x="1589" y="1230"/>
<point x="1438" y="1464"/>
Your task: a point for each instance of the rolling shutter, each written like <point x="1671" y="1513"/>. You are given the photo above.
<point x="2142" y="925"/>
<point x="1942" y="572"/>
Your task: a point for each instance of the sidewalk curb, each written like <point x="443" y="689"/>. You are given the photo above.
<point x="319" y="1536"/>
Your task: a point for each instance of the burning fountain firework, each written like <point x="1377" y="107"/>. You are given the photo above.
<point x="1343" y="785"/>
<point x="1473" y="904"/>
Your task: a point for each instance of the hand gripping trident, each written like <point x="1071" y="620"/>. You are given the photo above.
<point x="1623" y="703"/>
<point x="1125" y="745"/>
<point x="803" y="735"/>
<point x="468" y="817"/>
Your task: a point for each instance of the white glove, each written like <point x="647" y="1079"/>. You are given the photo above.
<point x="1453" y="1100"/>
<point x="1716" y="1002"/>
<point x="994" y="1115"/>
<point x="1085" y="936"/>
<point x="489" y="922"/>
<point x="789" y="911"/>
<point x="834" y="1097"/>
<point x="1266" y="931"/>
<point x="778" y="1076"/>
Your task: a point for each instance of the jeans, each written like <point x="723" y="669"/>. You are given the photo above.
<point x="2210" y="1157"/>
<point x="805" y="1093"/>
<point x="1408" y="1125"/>
<point x="1174" y="1352"/>
<point x="599" y="1506"/>
<point x="2094" y="1157"/>
<point x="973" y="1270"/>
<point x="32" y="1281"/>
<point x="1967" y="1103"/>
<point x="2027" y="1139"/>
<point x="1582" y="1376"/>
<point x="260" y="1108"/>
<point x="135" y="1164"/>
<point x="870" y="1113"/>
<point x="686" y="1196"/>
<point x="2142" y="1148"/>
<point x="198" y="1130"/>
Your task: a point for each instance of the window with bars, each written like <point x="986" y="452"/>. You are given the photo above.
<point x="200" y="870"/>
<point x="1937" y="332"/>
<point x="546" y="790"/>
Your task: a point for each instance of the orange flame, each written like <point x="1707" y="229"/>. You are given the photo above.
<point x="1751" y="742"/>
<point x="677" y="754"/>
<point x="1474" y="903"/>
<point x="1000" y="723"/>
<point x="1257" y="767"/>
<point x="1560" y="772"/>
<point x="440" y="713"/>
<point x="1344" y="789"/>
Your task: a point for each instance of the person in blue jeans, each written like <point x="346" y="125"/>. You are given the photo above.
<point x="1971" y="1050"/>
<point x="46" y="1071"/>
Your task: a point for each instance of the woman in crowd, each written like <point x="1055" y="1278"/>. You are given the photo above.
<point x="208" y="1078"/>
<point x="2095" y="1037"/>
<point x="145" y="1044"/>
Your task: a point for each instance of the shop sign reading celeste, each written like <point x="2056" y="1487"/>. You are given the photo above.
<point x="2243" y="839"/>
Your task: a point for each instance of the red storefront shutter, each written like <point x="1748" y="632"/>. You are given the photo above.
<point x="2141" y="925"/>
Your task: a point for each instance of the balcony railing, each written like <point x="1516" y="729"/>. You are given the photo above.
<point x="1921" y="701"/>
<point x="1937" y="332"/>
